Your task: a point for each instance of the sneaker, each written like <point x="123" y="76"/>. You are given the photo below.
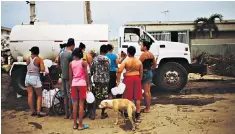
<point x="137" y="117"/>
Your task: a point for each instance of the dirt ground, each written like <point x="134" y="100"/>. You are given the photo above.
<point x="205" y="106"/>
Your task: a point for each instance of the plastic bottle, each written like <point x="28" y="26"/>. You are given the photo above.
<point x="9" y="60"/>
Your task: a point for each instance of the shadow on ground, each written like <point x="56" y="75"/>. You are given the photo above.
<point x="199" y="87"/>
<point x="158" y="97"/>
<point x="13" y="103"/>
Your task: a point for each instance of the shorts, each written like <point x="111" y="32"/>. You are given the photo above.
<point x="112" y="82"/>
<point x="78" y="92"/>
<point x="33" y="81"/>
<point x="100" y="90"/>
<point x="133" y="89"/>
<point x="147" y="77"/>
<point x="65" y="88"/>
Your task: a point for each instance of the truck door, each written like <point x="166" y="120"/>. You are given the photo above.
<point x="129" y="37"/>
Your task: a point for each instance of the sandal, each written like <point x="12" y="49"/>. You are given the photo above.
<point x="144" y="111"/>
<point x="75" y="126"/>
<point x="41" y="114"/>
<point x="85" y="126"/>
<point x="103" y="116"/>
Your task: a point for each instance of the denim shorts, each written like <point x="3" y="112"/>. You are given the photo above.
<point x="147" y="77"/>
<point x="33" y="81"/>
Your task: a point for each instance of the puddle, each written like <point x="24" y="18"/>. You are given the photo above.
<point x="36" y="125"/>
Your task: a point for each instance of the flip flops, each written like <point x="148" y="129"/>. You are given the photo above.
<point x="75" y="126"/>
<point x="85" y="126"/>
<point x="41" y="114"/>
<point x="144" y="111"/>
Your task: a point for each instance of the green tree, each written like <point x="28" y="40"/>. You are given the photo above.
<point x="203" y="24"/>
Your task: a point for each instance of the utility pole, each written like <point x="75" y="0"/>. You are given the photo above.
<point x="87" y="13"/>
<point x="32" y="11"/>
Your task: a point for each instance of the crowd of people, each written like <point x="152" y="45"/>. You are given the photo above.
<point x="77" y="67"/>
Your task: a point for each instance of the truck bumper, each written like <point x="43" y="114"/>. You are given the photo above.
<point x="197" y="68"/>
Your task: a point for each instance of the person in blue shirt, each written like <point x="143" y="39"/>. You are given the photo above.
<point x="62" y="49"/>
<point x="114" y="65"/>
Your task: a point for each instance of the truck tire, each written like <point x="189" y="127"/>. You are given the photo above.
<point x="171" y="76"/>
<point x="18" y="80"/>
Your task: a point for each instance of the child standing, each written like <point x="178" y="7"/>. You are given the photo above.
<point x="79" y="82"/>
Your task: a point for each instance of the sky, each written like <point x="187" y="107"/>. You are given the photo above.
<point x="113" y="13"/>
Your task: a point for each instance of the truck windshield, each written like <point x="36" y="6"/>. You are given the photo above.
<point x="131" y="34"/>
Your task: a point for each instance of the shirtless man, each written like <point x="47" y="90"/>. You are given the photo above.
<point x="132" y="79"/>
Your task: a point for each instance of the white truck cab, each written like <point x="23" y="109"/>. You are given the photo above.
<point x="173" y="58"/>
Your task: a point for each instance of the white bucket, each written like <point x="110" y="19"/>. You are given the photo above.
<point x="122" y="88"/>
<point x="115" y="90"/>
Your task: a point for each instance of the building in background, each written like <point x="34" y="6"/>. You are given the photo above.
<point x="5" y="33"/>
<point x="182" y="31"/>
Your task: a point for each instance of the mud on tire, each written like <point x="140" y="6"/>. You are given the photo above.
<point x="18" y="80"/>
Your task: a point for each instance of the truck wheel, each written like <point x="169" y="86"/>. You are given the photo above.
<point x="18" y="80"/>
<point x="171" y="76"/>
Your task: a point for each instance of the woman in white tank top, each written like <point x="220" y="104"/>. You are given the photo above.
<point x="33" y="82"/>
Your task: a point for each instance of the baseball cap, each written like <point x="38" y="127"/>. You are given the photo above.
<point x="34" y="50"/>
<point x="70" y="42"/>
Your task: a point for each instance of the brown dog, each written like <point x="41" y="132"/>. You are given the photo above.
<point x="120" y="104"/>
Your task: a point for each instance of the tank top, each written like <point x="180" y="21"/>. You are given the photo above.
<point x="79" y="78"/>
<point x="33" y="70"/>
<point x="147" y="64"/>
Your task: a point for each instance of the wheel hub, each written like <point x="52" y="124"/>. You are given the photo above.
<point x="172" y="77"/>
